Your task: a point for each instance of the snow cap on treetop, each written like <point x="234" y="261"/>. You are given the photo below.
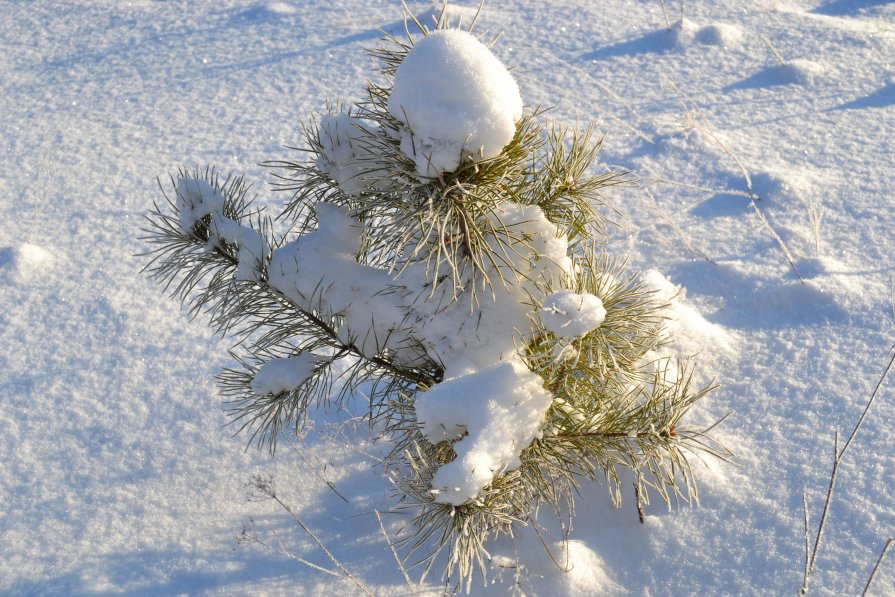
<point x="455" y="99"/>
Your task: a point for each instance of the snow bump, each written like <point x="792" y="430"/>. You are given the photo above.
<point x="456" y="101"/>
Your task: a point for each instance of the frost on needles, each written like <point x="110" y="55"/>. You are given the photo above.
<point x="441" y="249"/>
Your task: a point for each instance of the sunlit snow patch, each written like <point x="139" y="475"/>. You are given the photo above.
<point x="693" y="334"/>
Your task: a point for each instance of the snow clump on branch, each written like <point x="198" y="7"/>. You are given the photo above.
<point x="456" y="101"/>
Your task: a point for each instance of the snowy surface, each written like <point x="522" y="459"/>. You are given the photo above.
<point x="118" y="475"/>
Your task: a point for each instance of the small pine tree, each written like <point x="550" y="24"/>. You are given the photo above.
<point x="444" y="254"/>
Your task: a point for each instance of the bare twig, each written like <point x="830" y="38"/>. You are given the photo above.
<point x="391" y="546"/>
<point x="815" y="212"/>
<point x="773" y="50"/>
<point x="266" y="487"/>
<point x="823" y="517"/>
<point x="882" y="555"/>
<point x="639" y="501"/>
<point x="665" y="14"/>
<point x="546" y="547"/>
<point x="673" y="225"/>
<point x="837" y="459"/>
<point x="250" y="535"/>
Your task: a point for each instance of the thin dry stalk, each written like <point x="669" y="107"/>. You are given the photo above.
<point x="663" y="215"/>
<point x="837" y="459"/>
<point x="665" y="14"/>
<point x="882" y="555"/>
<point x="391" y="546"/>
<point x="266" y="487"/>
<point x="753" y="198"/>
<point x="773" y="50"/>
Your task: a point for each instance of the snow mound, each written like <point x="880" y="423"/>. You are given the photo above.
<point x="569" y="315"/>
<point x="26" y="261"/>
<point x="455" y="100"/>
<point x="501" y="408"/>
<point x="692" y="333"/>
<point x="720" y="34"/>
<point x="805" y="73"/>
<point x="684" y="31"/>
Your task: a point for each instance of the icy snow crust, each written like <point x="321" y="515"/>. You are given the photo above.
<point x="119" y="475"/>
<point x="456" y="100"/>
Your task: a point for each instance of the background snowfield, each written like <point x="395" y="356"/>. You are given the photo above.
<point x="118" y="474"/>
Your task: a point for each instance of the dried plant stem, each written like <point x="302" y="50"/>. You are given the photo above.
<point x="266" y="487"/>
<point x="391" y="546"/>
<point x="773" y="50"/>
<point x="882" y="556"/>
<point x="663" y="215"/>
<point x="665" y="14"/>
<point x="837" y="459"/>
<point x="252" y="536"/>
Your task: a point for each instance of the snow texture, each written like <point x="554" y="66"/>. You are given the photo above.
<point x="456" y="101"/>
<point x="119" y="475"/>
<point x="568" y="314"/>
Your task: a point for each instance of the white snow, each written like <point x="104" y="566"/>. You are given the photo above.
<point x="456" y="101"/>
<point x="283" y="375"/>
<point x="501" y="409"/>
<point x="568" y="314"/>
<point x="196" y="199"/>
<point x="397" y="312"/>
<point x="119" y="475"/>
<point x="341" y="154"/>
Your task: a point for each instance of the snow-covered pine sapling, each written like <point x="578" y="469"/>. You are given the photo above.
<point x="443" y="252"/>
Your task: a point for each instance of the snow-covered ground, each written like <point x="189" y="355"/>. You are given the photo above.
<point x="117" y="472"/>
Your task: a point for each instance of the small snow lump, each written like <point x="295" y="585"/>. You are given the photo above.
<point x="455" y="100"/>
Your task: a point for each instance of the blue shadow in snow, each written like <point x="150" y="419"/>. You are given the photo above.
<point x="655" y="42"/>
<point x="771" y="76"/>
<point x="6" y="256"/>
<point x="720" y="205"/>
<point x="847" y="7"/>
<point x="151" y="573"/>
<point x="881" y="98"/>
<point x="751" y="303"/>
